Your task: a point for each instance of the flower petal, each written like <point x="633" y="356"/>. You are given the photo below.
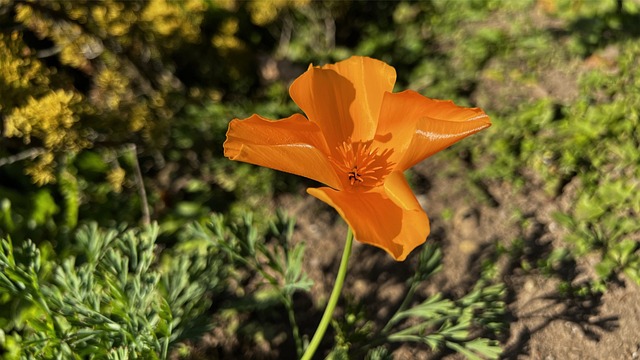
<point x="399" y="117"/>
<point x="447" y="110"/>
<point x="371" y="79"/>
<point x="376" y="219"/>
<point x="398" y="189"/>
<point x="443" y="124"/>
<point x="345" y="98"/>
<point x="294" y="145"/>
<point x="325" y="97"/>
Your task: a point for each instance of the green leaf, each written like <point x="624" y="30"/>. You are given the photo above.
<point x="431" y="308"/>
<point x="462" y="350"/>
<point x="44" y="207"/>
<point x="563" y="219"/>
<point x="490" y="349"/>
<point x="588" y="208"/>
<point x="605" y="267"/>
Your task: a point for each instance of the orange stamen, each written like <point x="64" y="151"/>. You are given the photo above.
<point x="362" y="164"/>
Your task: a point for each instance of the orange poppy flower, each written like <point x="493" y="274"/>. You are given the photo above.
<point x="358" y="137"/>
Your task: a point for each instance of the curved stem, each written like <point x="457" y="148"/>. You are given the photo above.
<point x="333" y="300"/>
<point x="144" y="203"/>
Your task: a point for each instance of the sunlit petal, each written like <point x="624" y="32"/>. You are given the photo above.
<point x="294" y="145"/>
<point x="371" y="79"/>
<point x="398" y="189"/>
<point x="376" y="219"/>
<point x="344" y="99"/>
<point x="442" y="126"/>
<point x="448" y="110"/>
<point x="399" y="117"/>
<point x="325" y="97"/>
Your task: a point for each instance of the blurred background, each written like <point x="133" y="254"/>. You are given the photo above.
<point x="113" y="115"/>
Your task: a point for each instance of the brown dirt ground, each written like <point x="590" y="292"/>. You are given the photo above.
<point x="541" y="323"/>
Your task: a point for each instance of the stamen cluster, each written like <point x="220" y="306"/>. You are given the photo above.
<point x="363" y="164"/>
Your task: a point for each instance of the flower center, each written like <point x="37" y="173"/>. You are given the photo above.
<point x="362" y="164"/>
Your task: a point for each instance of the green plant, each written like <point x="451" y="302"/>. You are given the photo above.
<point x="435" y="321"/>
<point x="586" y="152"/>
<point x="106" y="299"/>
<point x="278" y="264"/>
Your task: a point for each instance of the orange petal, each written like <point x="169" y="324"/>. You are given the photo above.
<point x="443" y="124"/>
<point x="294" y="145"/>
<point x="345" y="98"/>
<point x="398" y="189"/>
<point x="371" y="79"/>
<point x="376" y="219"/>
<point x="399" y="117"/>
<point x="447" y="110"/>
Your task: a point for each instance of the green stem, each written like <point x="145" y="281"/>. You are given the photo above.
<point x="333" y="300"/>
<point x="288" y="302"/>
<point x="165" y="345"/>
<point x="407" y="300"/>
